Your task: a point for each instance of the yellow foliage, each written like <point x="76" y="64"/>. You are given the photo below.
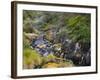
<point x="51" y="65"/>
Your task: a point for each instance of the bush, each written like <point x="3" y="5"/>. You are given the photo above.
<point x="49" y="58"/>
<point x="31" y="58"/>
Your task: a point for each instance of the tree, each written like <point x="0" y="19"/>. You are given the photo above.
<point x="79" y="28"/>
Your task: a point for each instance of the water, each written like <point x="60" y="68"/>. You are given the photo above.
<point x="43" y="46"/>
<point x="71" y="51"/>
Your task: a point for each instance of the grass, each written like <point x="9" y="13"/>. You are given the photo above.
<point x="32" y="59"/>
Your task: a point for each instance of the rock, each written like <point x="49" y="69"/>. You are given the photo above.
<point x="31" y="36"/>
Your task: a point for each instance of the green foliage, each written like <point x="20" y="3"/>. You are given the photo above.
<point x="31" y="57"/>
<point x="71" y="25"/>
<point x="26" y="42"/>
<point x="79" y="28"/>
<point x="56" y="27"/>
<point x="48" y="58"/>
<point x="51" y="57"/>
<point x="62" y="35"/>
<point x="52" y="61"/>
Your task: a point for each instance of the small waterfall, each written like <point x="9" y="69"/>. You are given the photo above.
<point x="77" y="47"/>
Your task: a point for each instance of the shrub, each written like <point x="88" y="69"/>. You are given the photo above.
<point x="31" y="58"/>
<point x="49" y="58"/>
